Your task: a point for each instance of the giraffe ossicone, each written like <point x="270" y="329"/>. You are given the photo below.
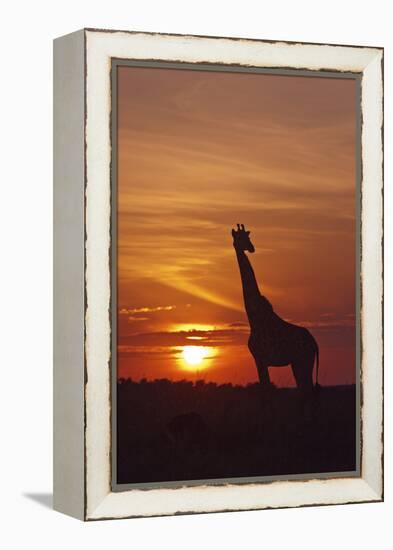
<point x="241" y="239"/>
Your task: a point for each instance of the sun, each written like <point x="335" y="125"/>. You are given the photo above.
<point x="194" y="355"/>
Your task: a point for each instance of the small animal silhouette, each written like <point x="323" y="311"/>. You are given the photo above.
<point x="273" y="342"/>
<point x="188" y="431"/>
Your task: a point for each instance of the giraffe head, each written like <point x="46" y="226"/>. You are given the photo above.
<point x="241" y="239"/>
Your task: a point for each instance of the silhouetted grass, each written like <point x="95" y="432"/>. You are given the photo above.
<point x="247" y="433"/>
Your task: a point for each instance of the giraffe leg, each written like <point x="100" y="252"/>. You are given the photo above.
<point x="263" y="374"/>
<point x="265" y="390"/>
<point x="302" y="369"/>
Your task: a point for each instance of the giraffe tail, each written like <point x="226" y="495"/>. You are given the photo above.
<point x="316" y="386"/>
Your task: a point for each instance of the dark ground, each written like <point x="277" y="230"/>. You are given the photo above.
<point x="171" y="431"/>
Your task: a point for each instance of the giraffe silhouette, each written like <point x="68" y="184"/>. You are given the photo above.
<point x="273" y="342"/>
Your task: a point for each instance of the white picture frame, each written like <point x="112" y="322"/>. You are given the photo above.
<point x="82" y="248"/>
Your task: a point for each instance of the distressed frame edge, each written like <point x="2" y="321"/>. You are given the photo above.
<point x="69" y="278"/>
<point x="236" y="38"/>
<point x="368" y="496"/>
<point x="373" y="487"/>
<point x="372" y="268"/>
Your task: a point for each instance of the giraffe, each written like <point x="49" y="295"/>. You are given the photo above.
<point x="273" y="342"/>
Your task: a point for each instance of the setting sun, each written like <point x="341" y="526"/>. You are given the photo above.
<point x="194" y="355"/>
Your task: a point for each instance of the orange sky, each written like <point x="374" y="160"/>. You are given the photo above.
<point x="199" y="152"/>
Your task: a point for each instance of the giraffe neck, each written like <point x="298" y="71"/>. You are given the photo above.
<point x="251" y="292"/>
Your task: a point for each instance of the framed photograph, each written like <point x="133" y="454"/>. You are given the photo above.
<point x="218" y="340"/>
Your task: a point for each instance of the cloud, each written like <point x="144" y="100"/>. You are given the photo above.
<point x="219" y="337"/>
<point x="126" y="311"/>
<point x="133" y="318"/>
<point x="153" y="352"/>
<point x="328" y="322"/>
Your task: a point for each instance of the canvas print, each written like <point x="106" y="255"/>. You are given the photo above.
<point x="236" y="341"/>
